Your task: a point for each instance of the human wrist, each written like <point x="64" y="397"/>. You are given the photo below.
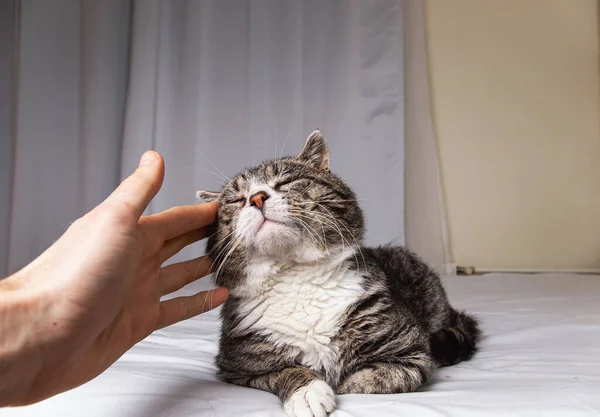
<point x="23" y="339"/>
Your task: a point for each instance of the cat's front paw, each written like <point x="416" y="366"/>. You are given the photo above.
<point x="316" y="399"/>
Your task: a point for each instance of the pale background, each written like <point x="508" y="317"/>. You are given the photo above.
<point x="515" y="102"/>
<point x="513" y="86"/>
<point x="86" y="86"/>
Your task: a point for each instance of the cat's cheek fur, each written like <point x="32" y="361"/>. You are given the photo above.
<point x="316" y="399"/>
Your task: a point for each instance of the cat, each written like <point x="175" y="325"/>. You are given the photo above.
<point x="311" y="312"/>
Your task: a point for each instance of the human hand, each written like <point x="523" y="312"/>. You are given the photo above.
<point x="95" y="293"/>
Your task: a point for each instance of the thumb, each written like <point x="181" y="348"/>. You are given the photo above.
<point x="136" y="191"/>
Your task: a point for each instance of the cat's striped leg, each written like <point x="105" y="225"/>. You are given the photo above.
<point x="254" y="361"/>
<point x="405" y="375"/>
<point x="302" y="391"/>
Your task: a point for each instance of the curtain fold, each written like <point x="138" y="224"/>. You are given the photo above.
<point x="425" y="221"/>
<point x="219" y="85"/>
<point x="8" y="29"/>
<point x="72" y="62"/>
<point x="214" y="85"/>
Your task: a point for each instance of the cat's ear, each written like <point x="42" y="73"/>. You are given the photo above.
<point x="207" y="196"/>
<point x="315" y="152"/>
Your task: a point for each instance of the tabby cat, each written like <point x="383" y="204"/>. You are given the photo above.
<point x="312" y="313"/>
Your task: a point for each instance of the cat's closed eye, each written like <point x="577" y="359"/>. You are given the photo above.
<point x="240" y="201"/>
<point x="284" y="181"/>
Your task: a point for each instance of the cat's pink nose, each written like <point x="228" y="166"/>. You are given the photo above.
<point x="258" y="199"/>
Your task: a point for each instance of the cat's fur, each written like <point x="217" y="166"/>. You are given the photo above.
<point x="311" y="312"/>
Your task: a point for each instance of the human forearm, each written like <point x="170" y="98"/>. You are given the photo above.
<point x="22" y="340"/>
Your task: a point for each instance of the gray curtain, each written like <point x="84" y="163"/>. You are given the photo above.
<point x="214" y="85"/>
<point x="68" y="85"/>
<point x="7" y="41"/>
<point x="426" y="228"/>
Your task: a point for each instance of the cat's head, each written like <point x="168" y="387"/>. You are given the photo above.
<point x="285" y="210"/>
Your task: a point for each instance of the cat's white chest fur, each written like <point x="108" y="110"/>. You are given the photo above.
<point x="301" y="307"/>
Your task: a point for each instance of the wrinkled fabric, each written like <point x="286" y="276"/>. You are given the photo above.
<point x="214" y="86"/>
<point x="541" y="357"/>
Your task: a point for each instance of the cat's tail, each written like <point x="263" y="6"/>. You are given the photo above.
<point x="456" y="342"/>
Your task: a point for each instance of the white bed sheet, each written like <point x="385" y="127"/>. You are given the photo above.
<point x="541" y="357"/>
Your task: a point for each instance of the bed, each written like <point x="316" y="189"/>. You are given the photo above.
<point x="541" y="357"/>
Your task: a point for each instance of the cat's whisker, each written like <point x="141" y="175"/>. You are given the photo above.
<point x="206" y="170"/>
<point x="210" y="162"/>
<point x="324" y="240"/>
<point x="343" y="244"/>
<point x="306" y="226"/>
<point x="333" y="222"/>
<point x="272" y="119"/>
<point x="287" y="137"/>
<point x="349" y="232"/>
<point x="322" y="229"/>
<point x="310" y="213"/>
<point x="330" y="201"/>
<point x="233" y="248"/>
<point x="222" y="257"/>
<point x="231" y="242"/>
<point x="219" y="258"/>
<point x="207" y="254"/>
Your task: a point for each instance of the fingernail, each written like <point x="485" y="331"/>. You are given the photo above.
<point x="149" y="157"/>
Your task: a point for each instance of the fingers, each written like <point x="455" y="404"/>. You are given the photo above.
<point x="182" y="308"/>
<point x="171" y="247"/>
<point x="177" y="276"/>
<point x="179" y="220"/>
<point x="136" y="192"/>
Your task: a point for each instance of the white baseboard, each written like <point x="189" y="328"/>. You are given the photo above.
<point x="536" y="271"/>
<point x="448" y="269"/>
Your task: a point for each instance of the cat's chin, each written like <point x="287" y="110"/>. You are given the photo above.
<point x="269" y="226"/>
<point x="273" y="238"/>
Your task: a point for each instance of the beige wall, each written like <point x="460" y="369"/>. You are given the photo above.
<point x="516" y="107"/>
